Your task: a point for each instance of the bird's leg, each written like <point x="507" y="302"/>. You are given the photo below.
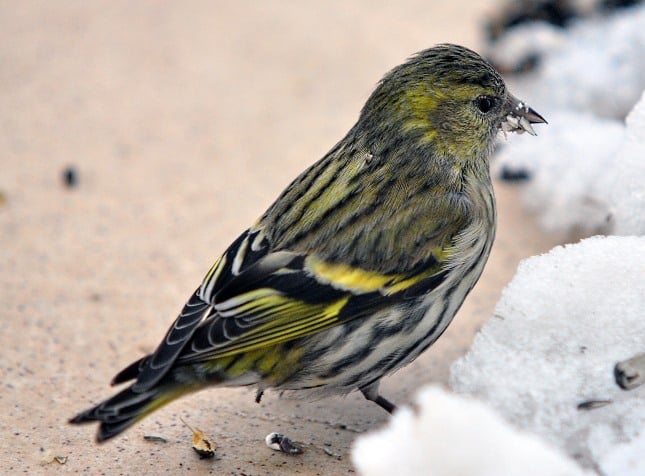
<point x="258" y="395"/>
<point x="370" y="392"/>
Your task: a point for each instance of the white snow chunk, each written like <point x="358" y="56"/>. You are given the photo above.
<point x="587" y="174"/>
<point x="545" y="359"/>
<point x="623" y="184"/>
<point x="452" y="435"/>
<point x="564" y="163"/>
<point x="627" y="459"/>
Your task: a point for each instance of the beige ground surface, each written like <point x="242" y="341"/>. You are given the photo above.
<point x="184" y="120"/>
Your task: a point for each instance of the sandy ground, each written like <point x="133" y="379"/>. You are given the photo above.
<point x="183" y="120"/>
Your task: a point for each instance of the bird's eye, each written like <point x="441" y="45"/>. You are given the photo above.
<point x="485" y="103"/>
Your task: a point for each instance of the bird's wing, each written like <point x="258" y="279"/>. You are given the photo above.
<point x="253" y="297"/>
<point x="250" y="247"/>
<point x="286" y="295"/>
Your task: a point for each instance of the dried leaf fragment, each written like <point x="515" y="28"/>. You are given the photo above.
<point x="202" y="444"/>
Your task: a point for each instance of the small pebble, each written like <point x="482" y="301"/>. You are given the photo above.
<point x="70" y="176"/>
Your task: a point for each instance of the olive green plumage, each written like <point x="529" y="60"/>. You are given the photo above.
<point x="360" y="264"/>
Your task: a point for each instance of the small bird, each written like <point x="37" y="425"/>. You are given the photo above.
<point x="360" y="264"/>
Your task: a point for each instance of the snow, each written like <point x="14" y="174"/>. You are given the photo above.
<point x="623" y="184"/>
<point x="453" y="435"/>
<point x="586" y="172"/>
<point x="587" y="169"/>
<point x="527" y="40"/>
<point x="561" y="325"/>
<point x="565" y="162"/>
<point x="625" y="459"/>
<point x="597" y="65"/>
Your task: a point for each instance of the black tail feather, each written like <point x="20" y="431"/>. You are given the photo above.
<point x="119" y="412"/>
<point x="131" y="372"/>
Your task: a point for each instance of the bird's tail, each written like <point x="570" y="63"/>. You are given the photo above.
<point x="126" y="408"/>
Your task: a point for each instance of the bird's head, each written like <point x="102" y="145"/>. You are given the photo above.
<point x="450" y="98"/>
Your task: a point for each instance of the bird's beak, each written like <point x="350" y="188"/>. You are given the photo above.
<point x="520" y="117"/>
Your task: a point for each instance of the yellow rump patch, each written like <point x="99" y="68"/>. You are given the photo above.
<point x="342" y="276"/>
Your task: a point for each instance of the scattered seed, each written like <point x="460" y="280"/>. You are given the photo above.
<point x="592" y="404"/>
<point x="630" y="373"/>
<point x="329" y="452"/>
<point x="279" y="442"/>
<point x="155" y="438"/>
